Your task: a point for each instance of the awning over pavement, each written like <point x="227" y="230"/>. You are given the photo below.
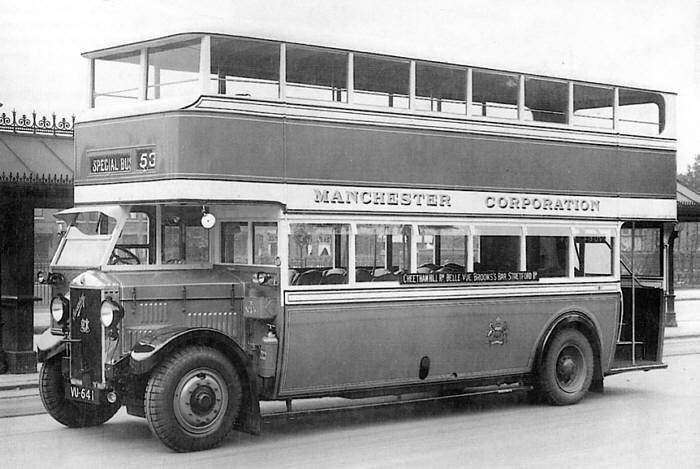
<point x="688" y="203"/>
<point x="34" y="159"/>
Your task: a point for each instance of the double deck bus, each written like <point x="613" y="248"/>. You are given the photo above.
<point x="258" y="219"/>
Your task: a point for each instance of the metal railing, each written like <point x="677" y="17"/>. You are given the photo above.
<point x="31" y="124"/>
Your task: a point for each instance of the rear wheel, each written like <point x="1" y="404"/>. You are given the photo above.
<point x="193" y="399"/>
<point x="567" y="369"/>
<point x="52" y="389"/>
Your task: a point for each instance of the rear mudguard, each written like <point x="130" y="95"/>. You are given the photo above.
<point x="151" y="349"/>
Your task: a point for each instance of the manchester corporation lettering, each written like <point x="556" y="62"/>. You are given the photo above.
<point x="559" y="204"/>
<point x="381" y="198"/>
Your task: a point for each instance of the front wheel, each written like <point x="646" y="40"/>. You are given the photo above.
<point x="567" y="369"/>
<point x="193" y="399"/>
<point x="52" y="389"/>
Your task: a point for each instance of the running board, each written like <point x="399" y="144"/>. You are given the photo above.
<point x="645" y="367"/>
<point x="503" y="389"/>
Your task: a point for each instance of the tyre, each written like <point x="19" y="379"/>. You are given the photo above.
<point x="72" y="414"/>
<point x="193" y="398"/>
<point x="567" y="369"/>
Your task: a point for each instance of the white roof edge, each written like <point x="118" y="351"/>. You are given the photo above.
<point x="151" y="106"/>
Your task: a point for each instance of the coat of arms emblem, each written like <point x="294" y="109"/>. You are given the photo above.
<point x="498" y="332"/>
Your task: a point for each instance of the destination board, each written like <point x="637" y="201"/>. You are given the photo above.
<point x="468" y="277"/>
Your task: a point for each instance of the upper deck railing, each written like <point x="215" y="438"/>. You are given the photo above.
<point x="201" y="64"/>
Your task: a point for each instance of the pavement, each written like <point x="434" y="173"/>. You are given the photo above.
<point x="687" y="308"/>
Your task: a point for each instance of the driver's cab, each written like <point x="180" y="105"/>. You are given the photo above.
<point x="165" y="235"/>
<point x="144" y="235"/>
<point x="190" y="245"/>
<point x="237" y="237"/>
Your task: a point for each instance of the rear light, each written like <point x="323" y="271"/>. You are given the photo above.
<point x="60" y="309"/>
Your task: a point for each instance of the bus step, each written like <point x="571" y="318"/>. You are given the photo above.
<point x="623" y="351"/>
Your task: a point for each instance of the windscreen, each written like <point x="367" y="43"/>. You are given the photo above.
<point x="86" y="240"/>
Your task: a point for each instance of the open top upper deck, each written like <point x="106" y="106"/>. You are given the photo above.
<point x="228" y="108"/>
<point x="192" y="64"/>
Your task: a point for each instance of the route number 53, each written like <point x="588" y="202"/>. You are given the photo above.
<point x="146" y="159"/>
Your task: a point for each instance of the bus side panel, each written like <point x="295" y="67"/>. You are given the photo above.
<point x="333" y="348"/>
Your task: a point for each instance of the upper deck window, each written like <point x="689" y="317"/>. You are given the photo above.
<point x="440" y="88"/>
<point x="266" y="69"/>
<point x="173" y="70"/>
<point x="593" y="106"/>
<point x="245" y="67"/>
<point x="641" y="112"/>
<point x="494" y="94"/>
<point x="546" y="100"/>
<point x="381" y="81"/>
<point x="314" y="73"/>
<point x="117" y="78"/>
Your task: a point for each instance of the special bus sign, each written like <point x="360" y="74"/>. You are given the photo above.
<point x="122" y="161"/>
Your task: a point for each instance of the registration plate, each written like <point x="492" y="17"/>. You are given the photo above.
<point x="82" y="394"/>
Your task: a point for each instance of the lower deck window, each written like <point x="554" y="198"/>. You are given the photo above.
<point x="494" y="253"/>
<point x="318" y="254"/>
<point x="382" y="252"/>
<point x="548" y="255"/>
<point x="348" y="253"/>
<point x="640" y="250"/>
<point x="594" y="256"/>
<point x="442" y="249"/>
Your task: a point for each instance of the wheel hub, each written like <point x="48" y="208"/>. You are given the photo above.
<point x="570" y="365"/>
<point x="567" y="369"/>
<point x="200" y="401"/>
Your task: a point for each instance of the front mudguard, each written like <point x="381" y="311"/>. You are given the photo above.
<point x="49" y="345"/>
<point x="152" y="348"/>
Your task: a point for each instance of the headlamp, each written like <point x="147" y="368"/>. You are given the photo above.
<point x="111" y="312"/>
<point x="60" y="309"/>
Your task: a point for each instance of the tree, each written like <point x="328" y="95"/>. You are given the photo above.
<point x="691" y="177"/>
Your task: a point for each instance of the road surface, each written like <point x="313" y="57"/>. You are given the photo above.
<point x="643" y="420"/>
